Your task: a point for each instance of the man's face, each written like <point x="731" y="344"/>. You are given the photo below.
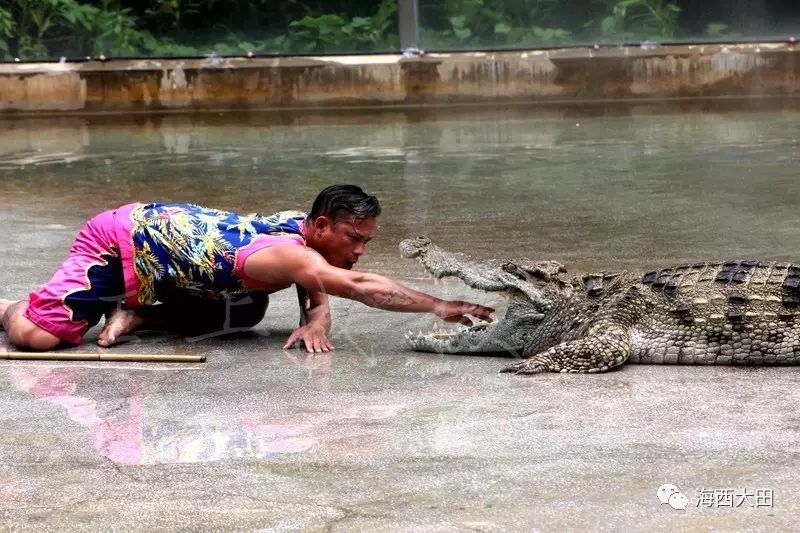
<point x="343" y="242"/>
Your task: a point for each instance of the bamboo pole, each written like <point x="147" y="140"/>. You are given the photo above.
<point x="74" y="356"/>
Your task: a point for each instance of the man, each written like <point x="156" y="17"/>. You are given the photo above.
<point x="199" y="270"/>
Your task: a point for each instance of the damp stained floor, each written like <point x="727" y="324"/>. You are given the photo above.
<point x="373" y="437"/>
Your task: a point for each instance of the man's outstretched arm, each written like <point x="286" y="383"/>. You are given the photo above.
<point x="288" y="264"/>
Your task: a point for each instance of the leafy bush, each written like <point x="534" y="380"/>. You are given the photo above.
<point x="491" y="22"/>
<point x="6" y="32"/>
<point x="40" y="29"/>
<point x="642" y="19"/>
<point x="332" y="32"/>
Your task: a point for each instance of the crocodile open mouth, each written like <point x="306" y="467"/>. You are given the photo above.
<point x="461" y="339"/>
<point x="501" y="335"/>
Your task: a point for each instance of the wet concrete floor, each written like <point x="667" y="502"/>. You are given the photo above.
<point x="373" y="437"/>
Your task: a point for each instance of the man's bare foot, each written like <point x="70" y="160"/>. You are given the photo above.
<point x="119" y="322"/>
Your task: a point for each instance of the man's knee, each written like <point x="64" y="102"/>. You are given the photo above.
<point x="200" y="316"/>
<point x="26" y="335"/>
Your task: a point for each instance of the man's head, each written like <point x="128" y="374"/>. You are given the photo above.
<point x="341" y="222"/>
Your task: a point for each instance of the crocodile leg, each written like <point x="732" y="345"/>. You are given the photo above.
<point x="607" y="343"/>
<point x="597" y="352"/>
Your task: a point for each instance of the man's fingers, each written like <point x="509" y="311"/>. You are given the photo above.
<point x="314" y="344"/>
<point x="481" y="311"/>
<point x="484" y="309"/>
<point x="318" y="344"/>
<point x="322" y="345"/>
<point x="291" y="340"/>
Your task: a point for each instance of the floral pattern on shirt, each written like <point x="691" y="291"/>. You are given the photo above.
<point x="195" y="247"/>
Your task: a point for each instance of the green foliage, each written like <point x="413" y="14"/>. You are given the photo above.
<point x="115" y="31"/>
<point x="47" y="29"/>
<point x="492" y="22"/>
<point x="6" y="32"/>
<point x="716" y="29"/>
<point x="32" y="20"/>
<point x="641" y="19"/>
<point x="332" y="32"/>
<point x="165" y="47"/>
<point x="38" y="26"/>
<point x="39" y="29"/>
<point x="720" y="30"/>
<point x="549" y="35"/>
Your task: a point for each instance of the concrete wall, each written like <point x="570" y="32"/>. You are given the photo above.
<point x="573" y="75"/>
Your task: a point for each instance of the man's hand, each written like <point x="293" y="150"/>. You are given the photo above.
<point x="455" y="311"/>
<point x="315" y="323"/>
<point x="313" y="335"/>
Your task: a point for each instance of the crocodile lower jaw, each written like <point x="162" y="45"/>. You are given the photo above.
<point x="446" y="334"/>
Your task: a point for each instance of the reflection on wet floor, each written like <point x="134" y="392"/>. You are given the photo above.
<point x="120" y="427"/>
<point x="115" y="430"/>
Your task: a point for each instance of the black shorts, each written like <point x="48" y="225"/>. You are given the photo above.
<point x="196" y="316"/>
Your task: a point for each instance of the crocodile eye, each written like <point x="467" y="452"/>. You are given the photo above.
<point x="513" y="268"/>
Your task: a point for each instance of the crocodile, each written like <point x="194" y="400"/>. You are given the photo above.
<point x="740" y="312"/>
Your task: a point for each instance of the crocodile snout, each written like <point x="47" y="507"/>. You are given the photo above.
<point x="410" y="248"/>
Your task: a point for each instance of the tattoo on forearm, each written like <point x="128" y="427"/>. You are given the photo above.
<point x="393" y="297"/>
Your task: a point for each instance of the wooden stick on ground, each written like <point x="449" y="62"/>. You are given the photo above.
<point x="67" y="356"/>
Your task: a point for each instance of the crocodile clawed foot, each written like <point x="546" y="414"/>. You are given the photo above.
<point x="525" y="367"/>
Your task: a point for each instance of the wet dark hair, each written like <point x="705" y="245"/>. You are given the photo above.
<point x="350" y="198"/>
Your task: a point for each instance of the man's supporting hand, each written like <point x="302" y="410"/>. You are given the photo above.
<point x="313" y="336"/>
<point x="314" y="329"/>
